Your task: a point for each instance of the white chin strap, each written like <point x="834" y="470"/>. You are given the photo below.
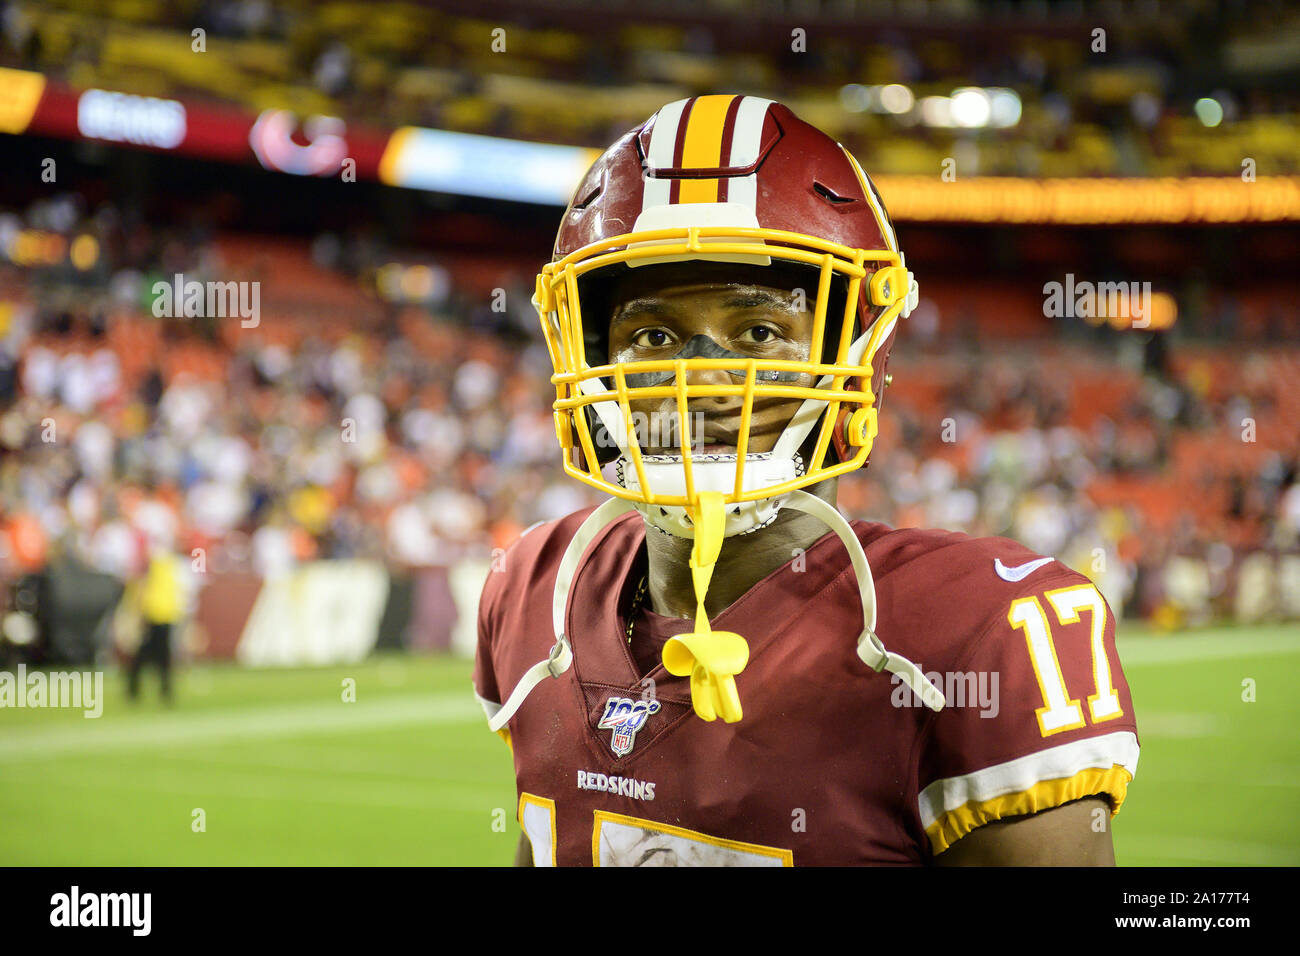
<point x="561" y="656"/>
<point x="870" y="648"/>
<point x="667" y="476"/>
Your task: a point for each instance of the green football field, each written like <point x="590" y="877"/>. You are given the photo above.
<point x="273" y="767"/>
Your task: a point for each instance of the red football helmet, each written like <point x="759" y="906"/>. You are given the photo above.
<point x="735" y="179"/>
<point x="741" y="181"/>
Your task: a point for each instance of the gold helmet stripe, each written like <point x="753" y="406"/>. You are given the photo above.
<point x="702" y="146"/>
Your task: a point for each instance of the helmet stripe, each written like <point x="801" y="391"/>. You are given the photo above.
<point x="746" y="139"/>
<point x="728" y="142"/>
<point x="678" y="143"/>
<point x="873" y="199"/>
<point x="705" y="132"/>
<point x="702" y="146"/>
<point x="663" y="139"/>
<point x="748" y="136"/>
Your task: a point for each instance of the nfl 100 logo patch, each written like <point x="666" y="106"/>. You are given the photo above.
<point x="625" y="717"/>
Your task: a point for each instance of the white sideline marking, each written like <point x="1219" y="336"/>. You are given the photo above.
<point x="1276" y="777"/>
<point x="1139" y="652"/>
<point x="256" y="784"/>
<point x="1192" y="725"/>
<point x="1178" y="846"/>
<point x="290" y="720"/>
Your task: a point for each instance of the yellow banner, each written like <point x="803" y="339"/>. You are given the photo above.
<point x="1091" y="201"/>
<point x="20" y="91"/>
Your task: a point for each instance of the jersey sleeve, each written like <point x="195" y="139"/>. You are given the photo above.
<point x="485" y="679"/>
<point x="1037" y="716"/>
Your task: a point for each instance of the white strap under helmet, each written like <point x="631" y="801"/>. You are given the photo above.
<point x="870" y="648"/>
<point x="561" y="656"/>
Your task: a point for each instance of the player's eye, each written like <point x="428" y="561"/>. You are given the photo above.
<point x="652" y="338"/>
<point x="760" y="334"/>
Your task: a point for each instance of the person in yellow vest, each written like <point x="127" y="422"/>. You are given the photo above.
<point x="162" y="606"/>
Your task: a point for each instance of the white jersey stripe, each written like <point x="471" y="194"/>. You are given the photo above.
<point x="491" y="707"/>
<point x="1017" y="776"/>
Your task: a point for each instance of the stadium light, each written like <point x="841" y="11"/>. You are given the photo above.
<point x="970" y="107"/>
<point x="855" y="98"/>
<point x="897" y="98"/>
<point x="474" y="165"/>
<point x="936" y="111"/>
<point x="1004" y="107"/>
<point x="1209" y="111"/>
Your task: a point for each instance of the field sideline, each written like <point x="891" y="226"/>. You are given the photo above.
<point x="286" y="773"/>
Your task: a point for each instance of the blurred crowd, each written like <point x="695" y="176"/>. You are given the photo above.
<point x="1121" y="489"/>
<point x="1161" y="90"/>
<point x="354" y="423"/>
<point x="422" y="439"/>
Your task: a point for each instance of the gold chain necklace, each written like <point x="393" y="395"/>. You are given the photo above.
<point x="636" y="606"/>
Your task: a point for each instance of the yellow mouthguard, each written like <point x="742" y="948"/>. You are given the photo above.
<point x="712" y="658"/>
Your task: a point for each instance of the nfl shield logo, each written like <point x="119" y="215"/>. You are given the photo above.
<point x="625" y="717"/>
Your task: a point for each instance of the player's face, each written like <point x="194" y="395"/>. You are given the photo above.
<point x="749" y="318"/>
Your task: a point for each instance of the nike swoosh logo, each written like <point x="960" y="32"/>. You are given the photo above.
<point x="1020" y="571"/>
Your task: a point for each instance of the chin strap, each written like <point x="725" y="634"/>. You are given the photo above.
<point x="870" y="648"/>
<point x="711" y="658"/>
<point x="714" y="658"/>
<point x="561" y="656"/>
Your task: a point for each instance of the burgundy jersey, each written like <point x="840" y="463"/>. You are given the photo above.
<point x="832" y="762"/>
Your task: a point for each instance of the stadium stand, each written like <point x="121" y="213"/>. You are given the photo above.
<point x="1128" y="108"/>
<point x="193" y="435"/>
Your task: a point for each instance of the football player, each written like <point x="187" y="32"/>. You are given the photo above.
<point x="715" y="667"/>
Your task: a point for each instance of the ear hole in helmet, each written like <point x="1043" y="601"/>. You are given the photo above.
<point x="590" y="197"/>
<point x="832" y="197"/>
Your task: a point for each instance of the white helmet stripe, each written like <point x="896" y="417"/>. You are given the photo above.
<point x="746" y="138"/>
<point x="747" y="134"/>
<point x="663" y="140"/>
